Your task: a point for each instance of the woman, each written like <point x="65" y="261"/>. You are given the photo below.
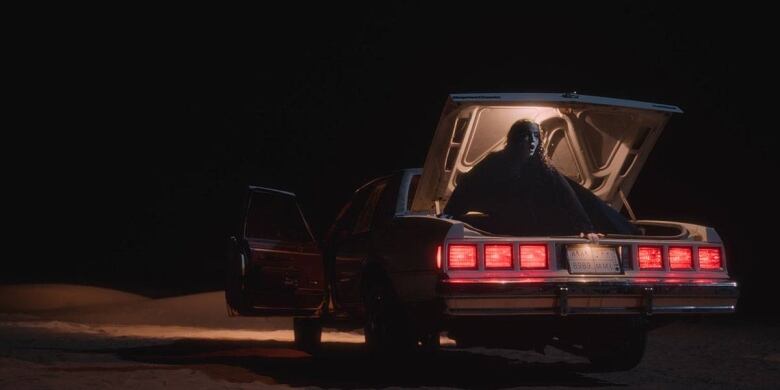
<point x="520" y="194"/>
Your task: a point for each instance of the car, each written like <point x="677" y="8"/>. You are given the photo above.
<point x="395" y="265"/>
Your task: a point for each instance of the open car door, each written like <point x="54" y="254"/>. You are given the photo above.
<point x="274" y="266"/>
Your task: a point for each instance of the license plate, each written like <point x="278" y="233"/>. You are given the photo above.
<point x="592" y="259"/>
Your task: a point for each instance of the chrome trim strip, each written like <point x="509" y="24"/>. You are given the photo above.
<point x="729" y="309"/>
<point x="622" y="281"/>
<point x="284" y="252"/>
<point x="696" y="309"/>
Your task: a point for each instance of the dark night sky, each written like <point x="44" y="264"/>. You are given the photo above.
<point x="143" y="131"/>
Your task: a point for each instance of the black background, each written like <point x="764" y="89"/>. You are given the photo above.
<point x="141" y="128"/>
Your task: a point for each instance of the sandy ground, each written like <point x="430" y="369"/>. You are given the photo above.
<point x="61" y="336"/>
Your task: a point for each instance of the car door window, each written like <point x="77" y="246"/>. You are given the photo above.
<point x="412" y="191"/>
<point x="366" y="215"/>
<point x="349" y="215"/>
<point x="388" y="202"/>
<point x="275" y="216"/>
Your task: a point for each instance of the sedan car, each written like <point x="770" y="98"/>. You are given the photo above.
<point x="395" y="265"/>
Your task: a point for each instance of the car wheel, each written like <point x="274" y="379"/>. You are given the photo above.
<point x="618" y="350"/>
<point x="308" y="334"/>
<point x="385" y="325"/>
<point x="430" y="343"/>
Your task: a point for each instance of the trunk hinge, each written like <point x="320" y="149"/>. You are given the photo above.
<point x="628" y="206"/>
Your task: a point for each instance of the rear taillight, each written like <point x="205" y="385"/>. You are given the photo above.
<point x="462" y="257"/>
<point x="680" y="258"/>
<point x="650" y="258"/>
<point x="438" y="257"/>
<point x="498" y="256"/>
<point x="533" y="256"/>
<point x="710" y="259"/>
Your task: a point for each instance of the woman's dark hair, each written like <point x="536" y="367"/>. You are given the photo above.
<point x="520" y="129"/>
<point x="523" y="128"/>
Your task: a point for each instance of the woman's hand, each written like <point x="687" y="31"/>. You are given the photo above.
<point x="592" y="237"/>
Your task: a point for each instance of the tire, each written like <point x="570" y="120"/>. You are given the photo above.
<point x="430" y="344"/>
<point x="308" y="334"/>
<point x="619" y="350"/>
<point x="386" y="328"/>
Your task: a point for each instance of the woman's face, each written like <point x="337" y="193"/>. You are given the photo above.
<point x="521" y="149"/>
<point x="534" y="139"/>
<point x="523" y="146"/>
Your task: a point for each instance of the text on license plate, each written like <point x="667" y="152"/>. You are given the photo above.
<point x="592" y="259"/>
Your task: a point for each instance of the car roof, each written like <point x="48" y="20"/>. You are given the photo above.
<point x="267" y="189"/>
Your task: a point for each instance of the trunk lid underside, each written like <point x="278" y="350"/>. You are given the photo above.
<point x="600" y="143"/>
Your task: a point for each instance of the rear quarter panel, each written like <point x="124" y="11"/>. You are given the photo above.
<point x="407" y="252"/>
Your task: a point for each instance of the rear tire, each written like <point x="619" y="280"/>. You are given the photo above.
<point x="308" y="334"/>
<point x="386" y="329"/>
<point x="430" y="343"/>
<point x="619" y="349"/>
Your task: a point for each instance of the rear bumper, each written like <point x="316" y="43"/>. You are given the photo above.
<point x="572" y="296"/>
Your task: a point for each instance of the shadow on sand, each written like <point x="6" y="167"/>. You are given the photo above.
<point x="349" y="366"/>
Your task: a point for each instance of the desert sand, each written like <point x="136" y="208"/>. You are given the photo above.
<point x="66" y="336"/>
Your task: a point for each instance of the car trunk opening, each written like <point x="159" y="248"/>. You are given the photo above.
<point x="598" y="143"/>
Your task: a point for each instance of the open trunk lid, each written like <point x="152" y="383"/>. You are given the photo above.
<point x="601" y="143"/>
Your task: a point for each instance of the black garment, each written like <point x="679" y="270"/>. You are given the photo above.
<point x="529" y="200"/>
<point x="605" y="219"/>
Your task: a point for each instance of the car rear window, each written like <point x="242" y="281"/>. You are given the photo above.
<point x="412" y="191"/>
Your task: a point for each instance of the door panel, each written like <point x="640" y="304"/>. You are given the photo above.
<point x="281" y="267"/>
<point x="373" y="211"/>
<point x="350" y="257"/>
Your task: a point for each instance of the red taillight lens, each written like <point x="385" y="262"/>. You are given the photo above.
<point x="680" y="258"/>
<point x="462" y="256"/>
<point x="438" y="257"/>
<point x="650" y="257"/>
<point x="533" y="256"/>
<point x="710" y="258"/>
<point x="498" y="256"/>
